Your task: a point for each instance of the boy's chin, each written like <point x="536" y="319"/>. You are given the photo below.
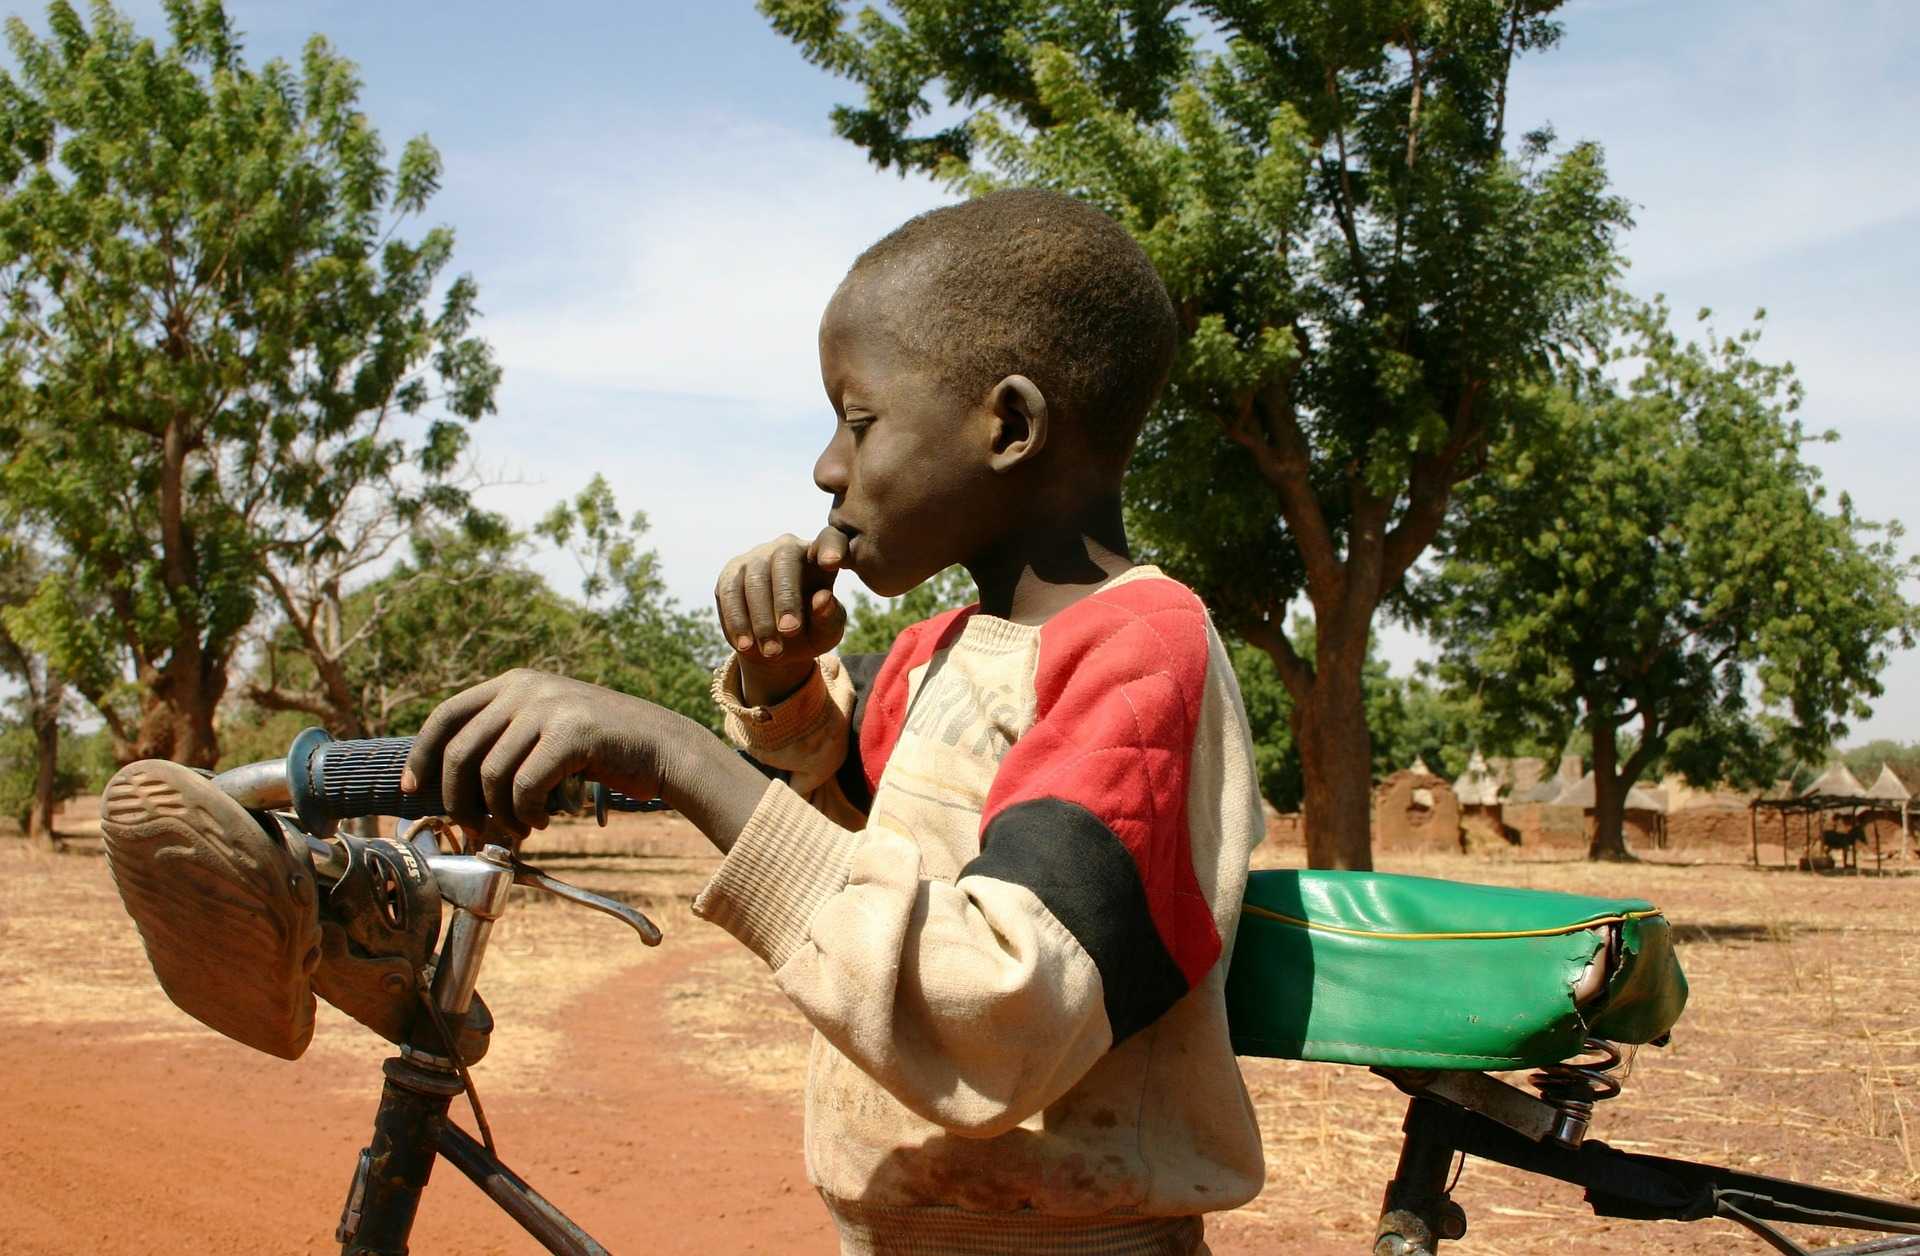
<point x="889" y="583"/>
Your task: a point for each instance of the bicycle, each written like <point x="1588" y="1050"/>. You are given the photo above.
<point x="1294" y="928"/>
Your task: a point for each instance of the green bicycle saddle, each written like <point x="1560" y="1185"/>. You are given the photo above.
<point x="1412" y="972"/>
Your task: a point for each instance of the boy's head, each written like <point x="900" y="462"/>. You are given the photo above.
<point x="992" y="363"/>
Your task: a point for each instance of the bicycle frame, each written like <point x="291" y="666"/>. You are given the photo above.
<point x="1473" y="1114"/>
<point x="412" y="1125"/>
<point x="1451" y="1114"/>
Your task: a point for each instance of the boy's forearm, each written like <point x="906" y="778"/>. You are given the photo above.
<point x="703" y="779"/>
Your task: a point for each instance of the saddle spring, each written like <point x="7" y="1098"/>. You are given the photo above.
<point x="1573" y="1086"/>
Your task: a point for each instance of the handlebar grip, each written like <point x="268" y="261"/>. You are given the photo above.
<point x="338" y="780"/>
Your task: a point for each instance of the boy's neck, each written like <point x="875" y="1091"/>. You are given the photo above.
<point x="1041" y="570"/>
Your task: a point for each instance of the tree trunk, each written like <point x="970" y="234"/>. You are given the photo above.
<point x="176" y="717"/>
<point x="1609" y="840"/>
<point x="46" y="737"/>
<point x="1336" y="762"/>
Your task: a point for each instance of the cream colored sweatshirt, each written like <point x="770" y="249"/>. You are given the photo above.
<point x="997" y="871"/>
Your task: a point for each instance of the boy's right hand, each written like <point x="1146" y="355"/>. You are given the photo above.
<point x="778" y="611"/>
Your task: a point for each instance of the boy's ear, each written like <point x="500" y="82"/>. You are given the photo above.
<point x="1019" y="412"/>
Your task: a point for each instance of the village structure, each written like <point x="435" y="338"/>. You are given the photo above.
<point x="1530" y="803"/>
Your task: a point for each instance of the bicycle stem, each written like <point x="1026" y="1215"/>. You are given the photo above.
<point x="477" y="888"/>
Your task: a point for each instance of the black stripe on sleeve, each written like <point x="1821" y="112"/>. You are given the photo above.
<point x="766" y="770"/>
<point x="861" y="669"/>
<point x="1077" y="868"/>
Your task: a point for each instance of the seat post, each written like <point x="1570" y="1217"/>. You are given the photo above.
<point x="1416" y="1214"/>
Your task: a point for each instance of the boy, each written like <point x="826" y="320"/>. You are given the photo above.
<point x="997" y="868"/>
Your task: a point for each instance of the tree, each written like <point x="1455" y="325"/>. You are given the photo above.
<point x="462" y="606"/>
<point x="1657" y="562"/>
<point x="32" y="785"/>
<point x="1366" y="277"/>
<point x="637" y="641"/>
<point x="214" y="345"/>
<point x="1865" y="761"/>
<point x="1410" y="717"/>
<point x="42" y="700"/>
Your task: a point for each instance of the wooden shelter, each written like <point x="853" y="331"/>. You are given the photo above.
<point x="1890" y="795"/>
<point x="1836" y="789"/>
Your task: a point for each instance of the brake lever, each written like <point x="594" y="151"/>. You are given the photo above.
<point x="526" y="874"/>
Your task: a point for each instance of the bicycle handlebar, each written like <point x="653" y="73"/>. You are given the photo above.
<point x="332" y="780"/>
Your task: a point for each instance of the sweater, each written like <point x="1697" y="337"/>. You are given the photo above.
<point x="999" y="869"/>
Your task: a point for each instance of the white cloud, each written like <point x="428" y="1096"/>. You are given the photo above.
<point x="1739" y="131"/>
<point x="708" y="257"/>
<point x="657" y="317"/>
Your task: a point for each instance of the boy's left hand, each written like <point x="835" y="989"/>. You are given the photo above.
<point x="501" y="747"/>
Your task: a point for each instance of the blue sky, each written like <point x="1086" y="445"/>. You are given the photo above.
<point x="655" y="209"/>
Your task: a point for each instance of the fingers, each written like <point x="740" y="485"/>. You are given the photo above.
<point x="758" y="580"/>
<point x="826" y="621"/>
<point x="460" y="766"/>
<point x="423" y="759"/>
<point x="730" y="602"/>
<point x="499" y="770"/>
<point x="788" y="601"/>
<point x="551" y="760"/>
<point x="765" y="598"/>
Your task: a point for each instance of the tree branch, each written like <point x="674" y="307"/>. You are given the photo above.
<point x="1506" y="70"/>
<point x="1285" y="461"/>
<point x="1345" y="205"/>
<point x="1295" y="672"/>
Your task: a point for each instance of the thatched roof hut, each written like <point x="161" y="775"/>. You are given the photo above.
<point x="1888" y="788"/>
<point x="1836" y="782"/>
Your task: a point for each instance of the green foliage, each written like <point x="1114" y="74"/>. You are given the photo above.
<point x="249" y="734"/>
<point x="1362" y="270"/>
<point x="214" y="343"/>
<point x="873" y="624"/>
<point x="463" y="606"/>
<point x="1657" y="556"/>
<point x="1276" y="757"/>
<point x="1369" y="277"/>
<point x="635" y="639"/>
<point x="20" y="765"/>
<point x="1412" y="717"/>
<point x="1865" y="761"/>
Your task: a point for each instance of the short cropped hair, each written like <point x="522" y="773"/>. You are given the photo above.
<point x="1033" y="283"/>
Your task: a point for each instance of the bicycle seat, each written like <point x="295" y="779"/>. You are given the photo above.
<point x="1404" y="972"/>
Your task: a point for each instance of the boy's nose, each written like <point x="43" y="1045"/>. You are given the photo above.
<point x="830" y="469"/>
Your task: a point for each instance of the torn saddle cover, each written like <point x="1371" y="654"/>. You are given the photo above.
<point x="378" y="925"/>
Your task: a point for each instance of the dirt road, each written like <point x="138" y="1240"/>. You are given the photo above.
<point x="653" y="1094"/>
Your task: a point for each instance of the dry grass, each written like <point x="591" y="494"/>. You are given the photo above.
<point x="1797" y="1056"/>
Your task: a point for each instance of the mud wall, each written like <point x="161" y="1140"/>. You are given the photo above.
<point x="1398" y="821"/>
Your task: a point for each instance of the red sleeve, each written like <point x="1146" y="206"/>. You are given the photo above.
<point x="880" y="711"/>
<point x="1118" y="693"/>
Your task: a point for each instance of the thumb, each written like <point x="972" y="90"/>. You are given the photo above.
<point x="828" y="551"/>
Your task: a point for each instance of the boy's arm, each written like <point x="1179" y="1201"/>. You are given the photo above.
<point x="975" y="1003"/>
<point x="979" y="1002"/>
<point x="785" y="699"/>
<point x="810" y="737"/>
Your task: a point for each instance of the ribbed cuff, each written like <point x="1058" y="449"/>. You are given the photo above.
<point x="771" y="727"/>
<point x="787" y="861"/>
